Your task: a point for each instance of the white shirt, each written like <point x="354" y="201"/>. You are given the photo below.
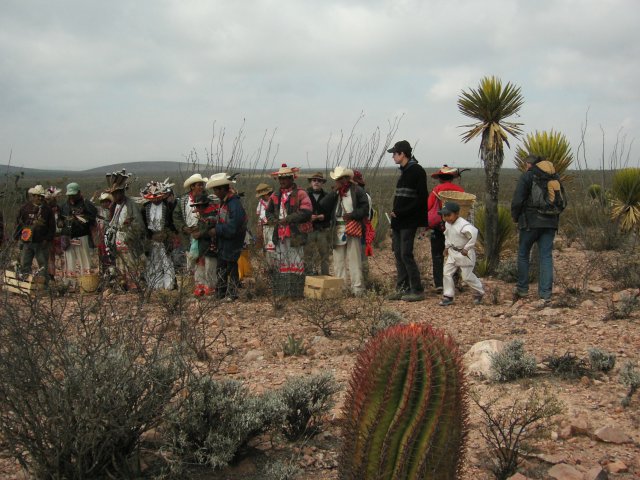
<point x="155" y="217"/>
<point x="345" y="205"/>
<point x="460" y="234"/>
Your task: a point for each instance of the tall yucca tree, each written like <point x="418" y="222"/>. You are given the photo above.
<point x="551" y="145"/>
<point x="491" y="104"/>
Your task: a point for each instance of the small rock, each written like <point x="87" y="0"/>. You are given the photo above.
<point x="232" y="369"/>
<point x="280" y="355"/>
<point x="554" y="436"/>
<point x="595" y="288"/>
<point x="579" y="426"/>
<point x="611" y="434"/>
<point x="617" y="467"/>
<point x="585" y="381"/>
<point x="552" y="458"/>
<point x="562" y="471"/>
<point x="518" y="476"/>
<point x="252" y="355"/>
<point x="588" y="304"/>
<point x="549" y="312"/>
<point x="565" y="432"/>
<point x="319" y="339"/>
<point x="596" y="473"/>
<point x="625" y="294"/>
<point x="575" y="321"/>
<point x="478" y="358"/>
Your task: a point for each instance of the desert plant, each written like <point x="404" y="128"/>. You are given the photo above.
<point x="601" y="360"/>
<point x="326" y="315"/>
<point x="623" y="308"/>
<point x="293" y="346"/>
<point x="597" y="193"/>
<point x="307" y="400"/>
<point x="625" y="190"/>
<point x="508" y="271"/>
<point x="630" y="377"/>
<point x="279" y="470"/>
<point x="505" y="229"/>
<point x="552" y="146"/>
<point x="508" y="428"/>
<point x="490" y="104"/>
<point x="370" y="316"/>
<point x="623" y="269"/>
<point x="216" y="419"/>
<point x="567" y="365"/>
<point x="591" y="225"/>
<point x="406" y="409"/>
<point x="512" y="363"/>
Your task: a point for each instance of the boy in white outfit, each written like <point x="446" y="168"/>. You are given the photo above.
<point x="460" y="242"/>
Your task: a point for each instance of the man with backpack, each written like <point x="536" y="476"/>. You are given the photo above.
<point x="537" y="202"/>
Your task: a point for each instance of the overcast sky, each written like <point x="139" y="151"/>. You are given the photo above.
<point x="86" y="83"/>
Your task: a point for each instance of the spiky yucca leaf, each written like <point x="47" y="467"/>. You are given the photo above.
<point x="406" y="410"/>
<point x="625" y="189"/>
<point x="553" y="146"/>
<point x="491" y="104"/>
<point x="506" y="226"/>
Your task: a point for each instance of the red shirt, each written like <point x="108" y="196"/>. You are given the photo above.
<point x="442" y="187"/>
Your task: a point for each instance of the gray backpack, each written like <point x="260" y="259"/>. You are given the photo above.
<point x="539" y="197"/>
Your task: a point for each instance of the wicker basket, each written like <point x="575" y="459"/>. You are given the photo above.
<point x="464" y="199"/>
<point x="88" y="283"/>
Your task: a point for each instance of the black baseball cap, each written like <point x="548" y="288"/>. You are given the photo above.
<point x="449" y="207"/>
<point x="401" y="147"/>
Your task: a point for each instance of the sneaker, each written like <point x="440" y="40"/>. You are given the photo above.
<point x="478" y="300"/>
<point x="446" y="301"/>
<point x="397" y="295"/>
<point x="413" y="297"/>
<point x="542" y="303"/>
<point x="518" y="294"/>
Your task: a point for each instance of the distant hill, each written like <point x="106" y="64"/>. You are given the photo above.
<point x="138" y="168"/>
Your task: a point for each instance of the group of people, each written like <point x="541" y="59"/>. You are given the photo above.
<point x="300" y="230"/>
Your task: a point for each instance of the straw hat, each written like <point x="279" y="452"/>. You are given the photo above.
<point x="285" y="171"/>
<point x="218" y="180"/>
<point x="340" y="172"/>
<point x="37" y="190"/>
<point x="446" y="170"/>
<point x="317" y="176"/>
<point x="263" y="189"/>
<point x="195" y="178"/>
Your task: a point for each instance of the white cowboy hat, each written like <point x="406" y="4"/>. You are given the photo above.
<point x="218" y="180"/>
<point x="340" y="172"/>
<point x="195" y="178"/>
<point x="37" y="190"/>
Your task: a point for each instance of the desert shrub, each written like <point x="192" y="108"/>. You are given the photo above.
<point x="630" y="377"/>
<point x="370" y="316"/>
<point x="568" y="365"/>
<point x="306" y="400"/>
<point x="279" y="470"/>
<point x="482" y="267"/>
<point x="623" y="308"/>
<point x="508" y="428"/>
<point x="508" y="270"/>
<point x="512" y="363"/>
<point x="293" y="346"/>
<point x="590" y="224"/>
<point x="601" y="360"/>
<point x="325" y="314"/>
<point x="596" y="193"/>
<point x="79" y="387"/>
<point x="216" y="419"/>
<point x="623" y="270"/>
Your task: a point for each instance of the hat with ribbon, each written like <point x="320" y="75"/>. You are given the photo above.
<point x="195" y="178"/>
<point x="340" y="172"/>
<point x="263" y="189"/>
<point x="218" y="180"/>
<point x="446" y="170"/>
<point x="285" y="171"/>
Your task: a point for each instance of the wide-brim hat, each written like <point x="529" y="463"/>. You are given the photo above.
<point x="285" y="171"/>
<point x="317" y="176"/>
<point x="218" y="180"/>
<point x="195" y="178"/>
<point x="37" y="190"/>
<point x="340" y="172"/>
<point x="446" y="170"/>
<point x="263" y="189"/>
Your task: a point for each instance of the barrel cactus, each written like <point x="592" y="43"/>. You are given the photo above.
<point x="406" y="409"/>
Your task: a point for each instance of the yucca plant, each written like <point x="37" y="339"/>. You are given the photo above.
<point x="506" y="227"/>
<point x="406" y="410"/>
<point x="597" y="193"/>
<point x="552" y="146"/>
<point x="491" y="104"/>
<point x="625" y="206"/>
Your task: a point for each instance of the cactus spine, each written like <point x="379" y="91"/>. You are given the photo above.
<point x="406" y="409"/>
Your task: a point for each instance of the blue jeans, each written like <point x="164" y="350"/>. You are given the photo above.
<point x="544" y="238"/>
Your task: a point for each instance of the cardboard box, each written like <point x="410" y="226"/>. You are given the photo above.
<point x="26" y="285"/>
<point x="323" y="286"/>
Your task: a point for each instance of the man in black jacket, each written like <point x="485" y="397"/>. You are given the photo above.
<point x="318" y="247"/>
<point x="77" y="217"/>
<point x="409" y="213"/>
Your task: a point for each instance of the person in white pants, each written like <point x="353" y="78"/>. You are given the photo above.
<point x="460" y="242"/>
<point x="349" y="206"/>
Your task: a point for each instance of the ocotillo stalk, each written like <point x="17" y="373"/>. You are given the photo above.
<point x="406" y="410"/>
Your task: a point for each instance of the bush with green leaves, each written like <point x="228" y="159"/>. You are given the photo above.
<point x="216" y="419"/>
<point x="601" y="360"/>
<point x="512" y="363"/>
<point x="306" y="401"/>
<point x="630" y="377"/>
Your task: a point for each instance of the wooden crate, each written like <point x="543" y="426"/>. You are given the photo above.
<point x="323" y="286"/>
<point x="28" y="285"/>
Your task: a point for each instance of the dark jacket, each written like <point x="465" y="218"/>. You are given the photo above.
<point x="410" y="198"/>
<point x="526" y="215"/>
<point x="167" y="214"/>
<point x="39" y="219"/>
<point x="71" y="225"/>
<point x="360" y="205"/>
<point x="319" y="210"/>
<point x="231" y="228"/>
<point x="298" y="208"/>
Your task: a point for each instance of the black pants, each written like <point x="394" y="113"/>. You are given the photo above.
<point x="228" y="278"/>
<point x="437" y="256"/>
<point x="39" y="251"/>
<point x="406" y="266"/>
